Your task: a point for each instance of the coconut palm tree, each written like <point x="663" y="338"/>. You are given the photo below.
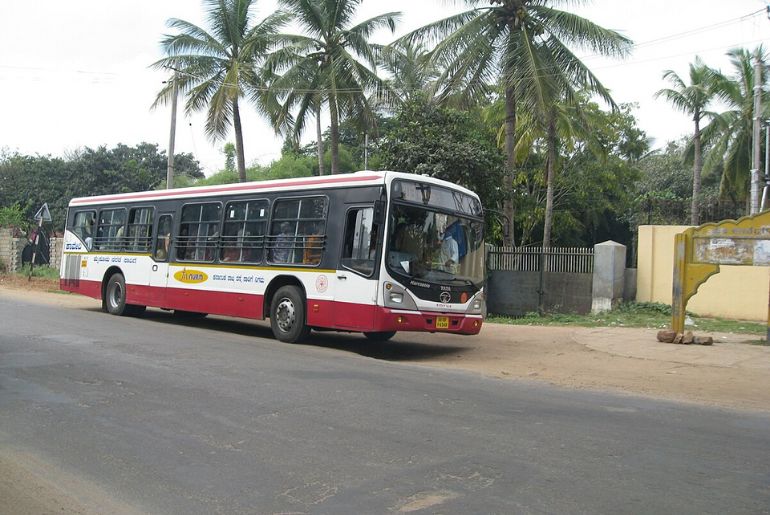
<point x="218" y="67"/>
<point x="332" y="64"/>
<point x="729" y="135"/>
<point x="692" y="99"/>
<point x="412" y="70"/>
<point x="522" y="46"/>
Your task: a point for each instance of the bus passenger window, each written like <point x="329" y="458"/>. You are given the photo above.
<point x="297" y="231"/>
<point x="163" y="240"/>
<point x="109" y="232"/>
<point x="139" y="229"/>
<point x="198" y="232"/>
<point x="243" y="232"/>
<point x="83" y="227"/>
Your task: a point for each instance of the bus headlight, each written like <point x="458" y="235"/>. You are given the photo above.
<point x="477" y="304"/>
<point x="397" y="297"/>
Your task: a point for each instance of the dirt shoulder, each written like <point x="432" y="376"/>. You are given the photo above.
<point x="732" y="373"/>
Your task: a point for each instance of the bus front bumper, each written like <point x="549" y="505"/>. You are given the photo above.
<point x="397" y="320"/>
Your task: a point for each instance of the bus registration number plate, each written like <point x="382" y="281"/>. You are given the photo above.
<point x="442" y="322"/>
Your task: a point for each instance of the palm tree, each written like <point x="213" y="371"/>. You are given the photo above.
<point x="692" y="99"/>
<point x="522" y="45"/>
<point x="217" y="68"/>
<point x="729" y="135"/>
<point x="333" y="64"/>
<point x="414" y="73"/>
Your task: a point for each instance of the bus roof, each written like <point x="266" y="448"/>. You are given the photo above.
<point x="363" y="178"/>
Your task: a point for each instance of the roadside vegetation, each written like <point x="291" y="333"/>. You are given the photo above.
<point x="462" y="99"/>
<point x="635" y="314"/>
<point x="43" y="278"/>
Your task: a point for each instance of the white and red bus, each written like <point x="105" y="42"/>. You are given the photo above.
<point x="372" y="252"/>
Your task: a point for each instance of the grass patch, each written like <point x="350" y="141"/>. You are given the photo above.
<point x="635" y="314"/>
<point x="44" y="272"/>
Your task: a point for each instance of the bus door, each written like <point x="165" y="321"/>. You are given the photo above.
<point x="161" y="250"/>
<point x="356" y="278"/>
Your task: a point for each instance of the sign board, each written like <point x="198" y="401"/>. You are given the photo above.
<point x="43" y="214"/>
<point x="699" y="252"/>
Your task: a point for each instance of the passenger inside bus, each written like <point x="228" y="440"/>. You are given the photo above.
<point x="88" y="231"/>
<point x="161" y="252"/>
<point x="449" y="254"/>
<point x="313" y="245"/>
<point x="283" y="244"/>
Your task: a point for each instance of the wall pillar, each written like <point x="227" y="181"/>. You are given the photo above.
<point x="609" y="276"/>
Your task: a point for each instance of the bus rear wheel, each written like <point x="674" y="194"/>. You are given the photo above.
<point x="287" y="315"/>
<point x="380" y="336"/>
<point x="115" y="298"/>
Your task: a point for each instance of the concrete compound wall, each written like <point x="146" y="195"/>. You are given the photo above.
<point x="11" y="248"/>
<point x="516" y="293"/>
<point x="738" y="292"/>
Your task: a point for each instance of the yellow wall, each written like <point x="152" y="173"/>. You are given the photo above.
<point x="735" y="292"/>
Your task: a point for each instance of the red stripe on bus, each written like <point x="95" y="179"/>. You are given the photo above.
<point x="217" y="189"/>
<point x="344" y="316"/>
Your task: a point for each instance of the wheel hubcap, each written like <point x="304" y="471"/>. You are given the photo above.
<point x="285" y="315"/>
<point x="117" y="295"/>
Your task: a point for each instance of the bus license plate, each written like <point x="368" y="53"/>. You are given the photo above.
<point x="442" y="322"/>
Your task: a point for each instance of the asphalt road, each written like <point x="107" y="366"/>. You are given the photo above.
<point x="215" y="416"/>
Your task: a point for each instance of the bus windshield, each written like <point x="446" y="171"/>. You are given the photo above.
<point x="433" y="246"/>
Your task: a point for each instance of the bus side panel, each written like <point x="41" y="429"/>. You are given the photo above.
<point x="345" y="316"/>
<point x="91" y="289"/>
<point x="243" y="305"/>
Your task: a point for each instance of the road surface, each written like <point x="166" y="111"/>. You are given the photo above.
<point x="153" y="415"/>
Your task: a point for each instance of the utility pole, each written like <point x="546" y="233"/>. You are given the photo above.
<point x="172" y="135"/>
<point x="763" y="205"/>
<point x="755" y="180"/>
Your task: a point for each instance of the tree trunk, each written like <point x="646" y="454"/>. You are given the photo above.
<point x="335" y="135"/>
<point x="550" y="175"/>
<point x="510" y="163"/>
<point x="696" y="173"/>
<point x="319" y="139"/>
<point x="239" y="142"/>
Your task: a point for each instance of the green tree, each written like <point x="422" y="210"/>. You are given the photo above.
<point x="664" y="187"/>
<point x="13" y="216"/>
<point x="333" y="64"/>
<point x="729" y="134"/>
<point x="32" y="180"/>
<point x="217" y="68"/>
<point x="524" y="47"/>
<point x="412" y="70"/>
<point x="692" y="99"/>
<point x="229" y="152"/>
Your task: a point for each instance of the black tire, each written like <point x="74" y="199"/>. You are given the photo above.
<point x="189" y="315"/>
<point x="115" y="296"/>
<point x="380" y="336"/>
<point x="114" y="301"/>
<point x="287" y="315"/>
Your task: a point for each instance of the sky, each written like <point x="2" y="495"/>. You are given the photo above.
<point x="76" y="73"/>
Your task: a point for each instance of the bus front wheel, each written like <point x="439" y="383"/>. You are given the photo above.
<point x="287" y="315"/>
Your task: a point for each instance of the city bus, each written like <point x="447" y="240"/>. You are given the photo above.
<point x="368" y="252"/>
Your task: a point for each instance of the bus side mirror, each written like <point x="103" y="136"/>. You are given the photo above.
<point x="379" y="212"/>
